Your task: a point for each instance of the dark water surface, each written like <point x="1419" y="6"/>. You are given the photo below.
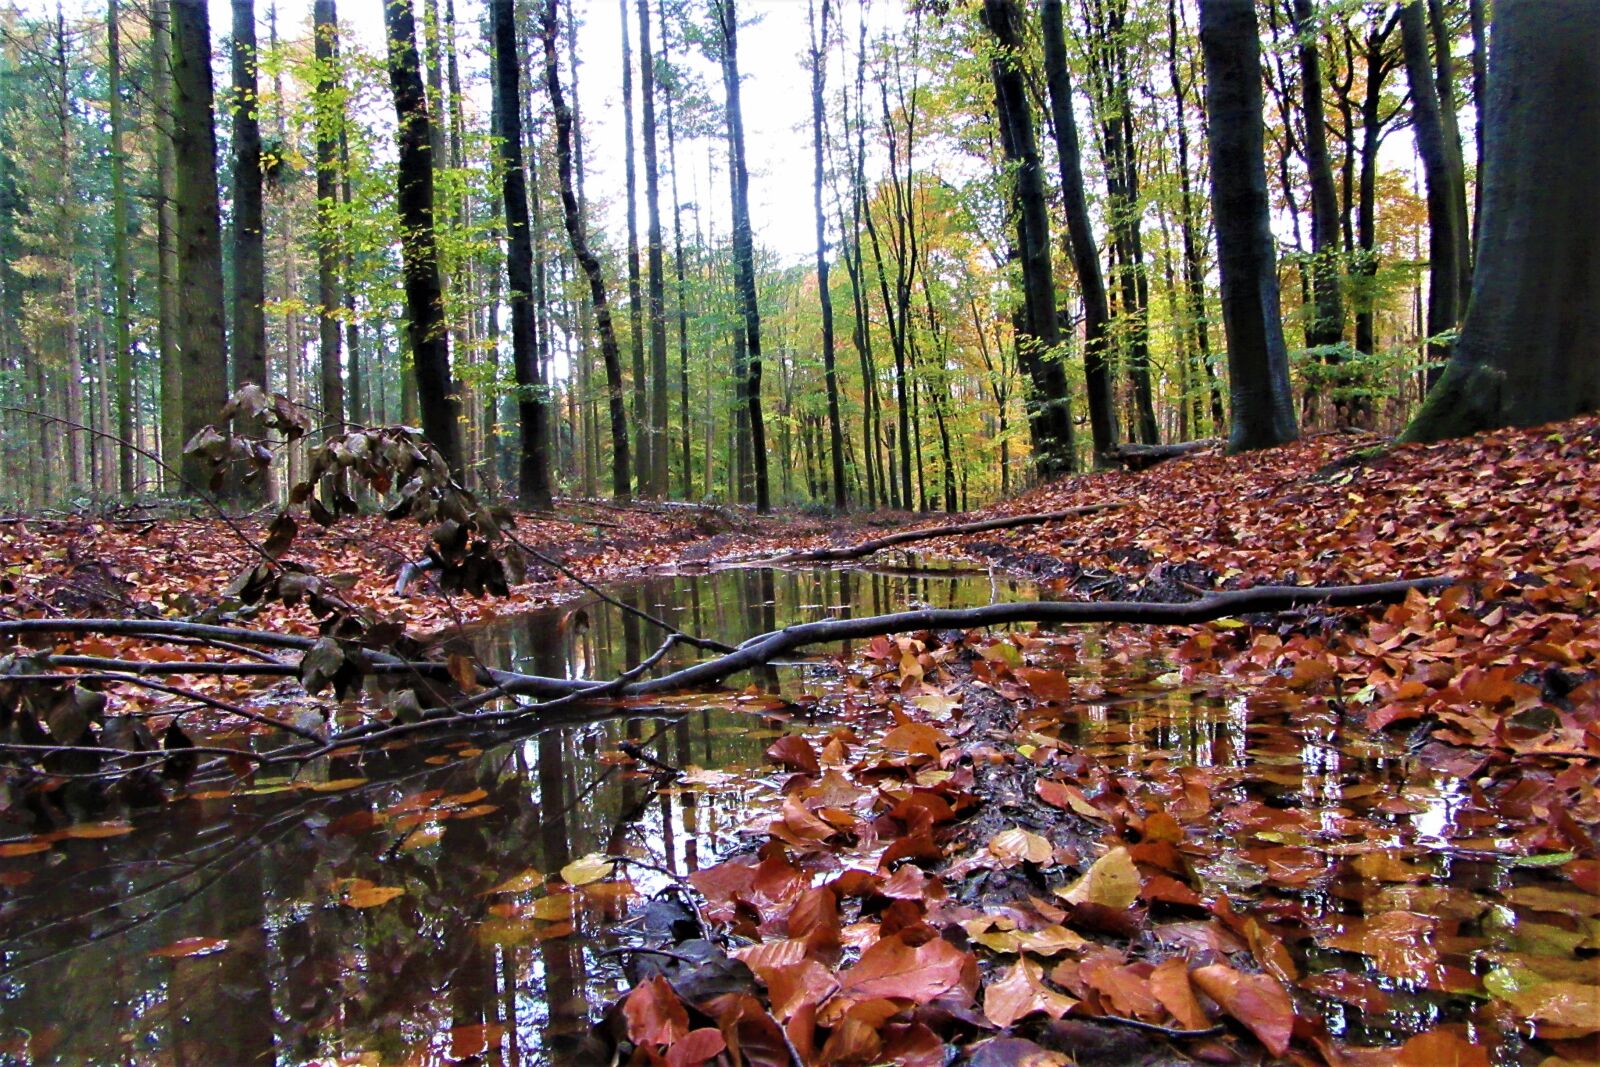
<point x="260" y="885"/>
<point x="350" y="916"/>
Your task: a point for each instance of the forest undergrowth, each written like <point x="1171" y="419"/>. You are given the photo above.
<point x="1381" y="847"/>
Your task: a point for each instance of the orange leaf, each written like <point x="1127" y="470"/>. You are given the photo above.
<point x="655" y="1014"/>
<point x="1441" y="1048"/>
<point x="191" y="946"/>
<point x="796" y="753"/>
<point x="1170" y="984"/>
<point x="892" y="968"/>
<point x="1257" y="1000"/>
<point x="1020" y="993"/>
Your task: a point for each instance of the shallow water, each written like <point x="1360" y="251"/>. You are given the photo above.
<point x="211" y="931"/>
<point x="348" y="916"/>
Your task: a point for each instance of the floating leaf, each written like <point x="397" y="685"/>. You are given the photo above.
<point x="370" y="896"/>
<point x="590" y="868"/>
<point x="95" y="830"/>
<point x="23" y="848"/>
<point x="191" y="946"/>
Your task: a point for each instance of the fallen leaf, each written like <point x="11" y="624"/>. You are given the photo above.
<point x="1021" y="993"/>
<point x="590" y="868"/>
<point x="1257" y="1000"/>
<point x="370" y="896"/>
<point x="191" y="946"/>
<point x="655" y="1014"/>
<point x="1112" y="881"/>
<point x="1015" y="845"/>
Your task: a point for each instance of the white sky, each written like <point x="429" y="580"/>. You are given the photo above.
<point x="776" y="101"/>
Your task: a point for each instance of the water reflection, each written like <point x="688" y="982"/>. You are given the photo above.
<point x="283" y="973"/>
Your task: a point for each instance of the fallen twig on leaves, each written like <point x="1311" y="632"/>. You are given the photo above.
<point x="923" y="533"/>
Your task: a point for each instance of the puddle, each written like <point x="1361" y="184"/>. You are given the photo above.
<point x="268" y="927"/>
<point x="212" y="930"/>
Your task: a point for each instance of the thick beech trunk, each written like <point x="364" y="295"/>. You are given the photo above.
<point x="201" y="332"/>
<point x="1529" y="350"/>
<point x="1261" y="406"/>
<point x="325" y="25"/>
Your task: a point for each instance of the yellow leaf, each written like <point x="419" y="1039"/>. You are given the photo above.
<point x="370" y="896"/>
<point x="590" y="868"/>
<point x="1112" y="882"/>
<point x="335" y="785"/>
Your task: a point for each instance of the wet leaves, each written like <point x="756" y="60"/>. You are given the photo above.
<point x="590" y="868"/>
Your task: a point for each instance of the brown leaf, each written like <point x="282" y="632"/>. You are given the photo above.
<point x="655" y="1014"/>
<point x="1257" y="1000"/>
<point x="1441" y="1048"/>
<point x="893" y="968"/>
<point x="1020" y="993"/>
<point x="795" y="752"/>
<point x="1170" y="984"/>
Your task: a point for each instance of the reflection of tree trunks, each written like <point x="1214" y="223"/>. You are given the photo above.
<point x="560" y="958"/>
<point x="221" y="1005"/>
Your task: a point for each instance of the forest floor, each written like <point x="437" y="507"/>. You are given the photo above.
<point x="963" y="857"/>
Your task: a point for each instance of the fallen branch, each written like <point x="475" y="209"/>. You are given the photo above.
<point x="1138" y="457"/>
<point x="924" y="533"/>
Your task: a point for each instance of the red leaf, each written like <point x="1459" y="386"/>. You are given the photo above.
<point x="655" y="1014"/>
<point x="796" y="753"/>
<point x="696" y="1047"/>
<point x="892" y="968"/>
<point x="1257" y="1000"/>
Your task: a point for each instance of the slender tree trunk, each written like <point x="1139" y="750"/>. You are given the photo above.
<point x="172" y="439"/>
<point x="126" y="430"/>
<point x="1444" y="236"/>
<point x="1194" y="273"/>
<point x="549" y="24"/>
<point x="1262" y="406"/>
<point x="201" y="315"/>
<point x="430" y="351"/>
<point x="533" y="478"/>
<point x="1085" y="252"/>
<point x="687" y="473"/>
<point x="325" y="25"/>
<point x="1455" y="166"/>
<point x="744" y="245"/>
<point x="1055" y="445"/>
<point x="356" y="386"/>
<point x="1480" y="91"/>
<point x="1326" y="329"/>
<point x="78" y="443"/>
<point x="659" y="486"/>
<point x="830" y="372"/>
<point x="641" y="415"/>
<point x="249" y="255"/>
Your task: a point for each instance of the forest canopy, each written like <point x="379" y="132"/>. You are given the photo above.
<point x="1013" y="259"/>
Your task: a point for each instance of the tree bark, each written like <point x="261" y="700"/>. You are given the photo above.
<point x="1326" y="329"/>
<point x="1055" y="443"/>
<point x="1444" y="234"/>
<point x="201" y="333"/>
<point x="1081" y="243"/>
<point x="329" y="119"/>
<point x="249" y="255"/>
<point x="166" y="244"/>
<point x="1529" y="350"/>
<point x="830" y="372"/>
<point x="744" y="245"/>
<point x="1261" y="406"/>
<point x="659" y="446"/>
<point x="641" y="416"/>
<point x="549" y="25"/>
<point x="425" y="326"/>
<point x="119" y="255"/>
<point x="533" y="471"/>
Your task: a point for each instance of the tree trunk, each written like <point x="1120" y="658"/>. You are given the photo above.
<point x="1529" y="350"/>
<point x="1036" y="344"/>
<point x="641" y="416"/>
<point x="1261" y="406"/>
<point x="658" y="283"/>
<point x="1326" y="328"/>
<point x="249" y="256"/>
<point x="329" y="119"/>
<point x="548" y="27"/>
<point x="533" y="472"/>
<point x="430" y="351"/>
<point x="126" y="429"/>
<point x="201" y="332"/>
<point x="1085" y="252"/>
<point x="1444" y="235"/>
<point x="687" y="472"/>
<point x="744" y="245"/>
<point x="830" y="372"/>
<point x="166" y="244"/>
